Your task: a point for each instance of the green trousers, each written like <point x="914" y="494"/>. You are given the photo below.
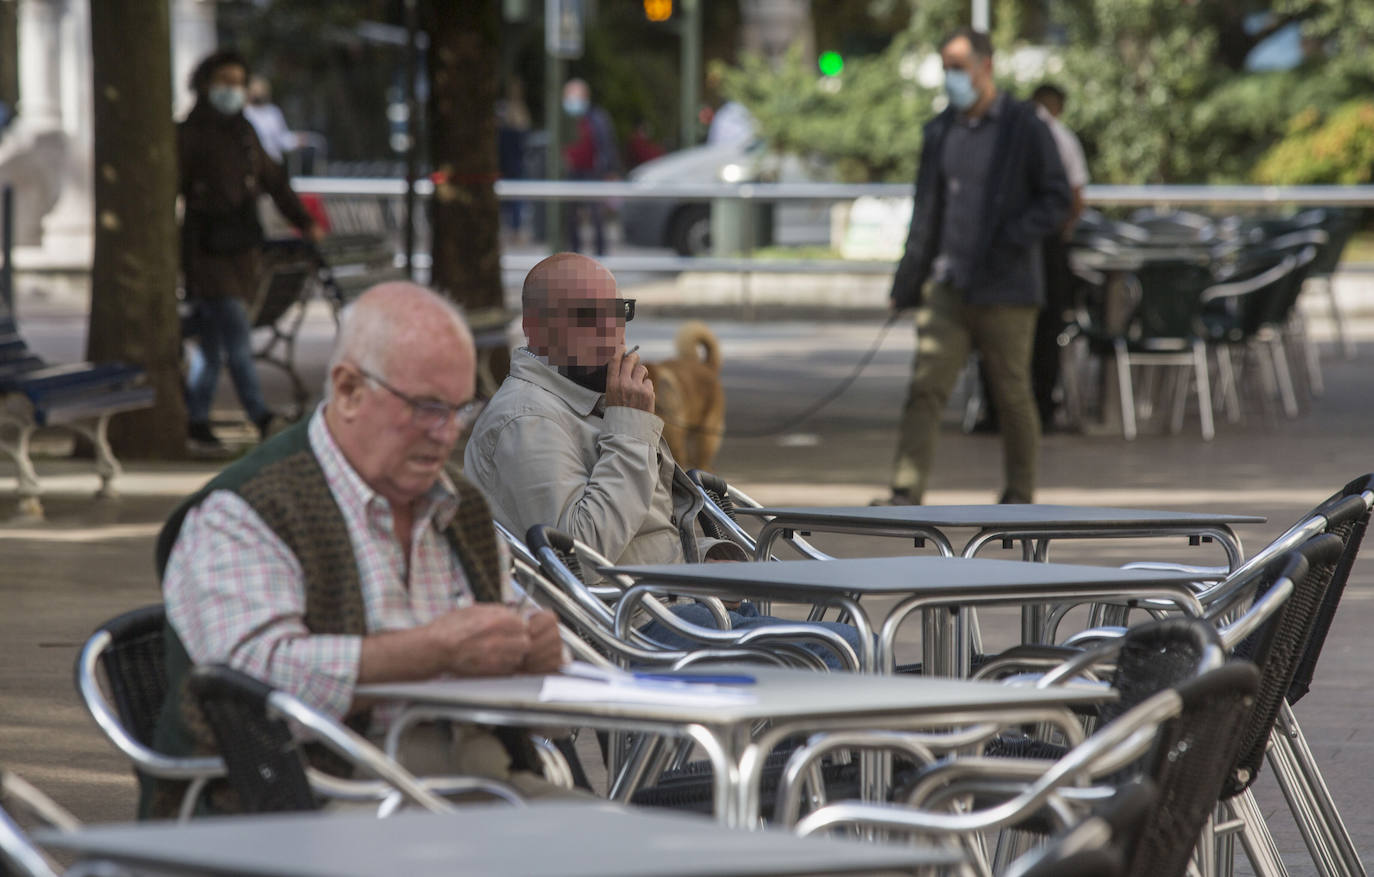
<point x="946" y="330"/>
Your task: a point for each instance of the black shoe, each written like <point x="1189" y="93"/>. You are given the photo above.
<point x="200" y="439"/>
<point x="898" y="497"/>
<point x="266" y="425"/>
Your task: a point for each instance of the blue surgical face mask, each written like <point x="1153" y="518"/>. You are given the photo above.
<point x="575" y="106"/>
<point x="228" y="99"/>
<point x="959" y="87"/>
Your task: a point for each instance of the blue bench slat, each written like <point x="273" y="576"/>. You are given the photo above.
<point x="70" y="408"/>
<point x="77" y="375"/>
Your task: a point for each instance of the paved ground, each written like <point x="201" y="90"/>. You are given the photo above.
<point x="92" y="559"/>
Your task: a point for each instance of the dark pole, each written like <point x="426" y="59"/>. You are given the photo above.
<point x="412" y="133"/>
<point x="7" y="248"/>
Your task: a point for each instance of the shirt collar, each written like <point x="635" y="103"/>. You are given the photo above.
<point x="351" y="491"/>
<point x="527" y="367"/>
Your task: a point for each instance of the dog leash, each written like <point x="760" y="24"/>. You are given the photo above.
<point x="815" y="407"/>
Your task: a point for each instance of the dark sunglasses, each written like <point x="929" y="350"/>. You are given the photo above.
<point x="622" y="309"/>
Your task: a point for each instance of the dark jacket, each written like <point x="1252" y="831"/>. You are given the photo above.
<point x="1028" y="198"/>
<point x="223" y="169"/>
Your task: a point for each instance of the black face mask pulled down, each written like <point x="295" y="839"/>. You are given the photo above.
<point x="592" y="377"/>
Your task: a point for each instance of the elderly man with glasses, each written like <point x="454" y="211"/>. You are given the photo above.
<point x="340" y="552"/>
<point x="571" y="439"/>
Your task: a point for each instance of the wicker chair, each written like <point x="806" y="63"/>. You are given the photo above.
<point x="266" y="761"/>
<point x="129" y="653"/>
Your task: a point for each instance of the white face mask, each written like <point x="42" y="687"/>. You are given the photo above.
<point x="228" y="99"/>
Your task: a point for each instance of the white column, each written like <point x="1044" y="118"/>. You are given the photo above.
<point x="193" y="37"/>
<point x="39" y="73"/>
<point x="68" y="228"/>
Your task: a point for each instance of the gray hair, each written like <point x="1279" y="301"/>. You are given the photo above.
<point x="368" y="330"/>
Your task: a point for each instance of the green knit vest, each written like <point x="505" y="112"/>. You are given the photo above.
<point x="283" y="483"/>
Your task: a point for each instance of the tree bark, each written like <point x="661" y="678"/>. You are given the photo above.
<point x="134" y="274"/>
<point x="464" y="67"/>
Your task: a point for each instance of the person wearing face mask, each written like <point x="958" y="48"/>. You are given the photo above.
<point x="223" y="168"/>
<point x="571" y="439"/>
<point x="592" y="155"/>
<point x="989" y="189"/>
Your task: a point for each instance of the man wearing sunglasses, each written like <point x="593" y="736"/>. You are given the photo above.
<point x="340" y="552"/>
<point x="571" y="439"/>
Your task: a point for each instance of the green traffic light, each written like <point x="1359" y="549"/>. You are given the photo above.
<point x="831" y="63"/>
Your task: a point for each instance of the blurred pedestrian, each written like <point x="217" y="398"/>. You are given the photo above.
<point x="642" y="146"/>
<point x="989" y="188"/>
<point x="1045" y="361"/>
<point x="512" y="129"/>
<point x="592" y="155"/>
<point x="267" y="120"/>
<point x="223" y="169"/>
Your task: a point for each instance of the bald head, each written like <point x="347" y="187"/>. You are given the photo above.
<point x="569" y="311"/>
<point x="399" y="319"/>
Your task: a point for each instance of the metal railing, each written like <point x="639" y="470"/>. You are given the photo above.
<point x="1216" y="197"/>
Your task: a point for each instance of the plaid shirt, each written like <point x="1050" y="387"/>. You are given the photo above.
<point x="235" y="594"/>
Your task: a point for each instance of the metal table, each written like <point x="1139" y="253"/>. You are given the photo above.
<point x="544" y="840"/>
<point x="945" y="588"/>
<point x="791" y="701"/>
<point x="1009" y="521"/>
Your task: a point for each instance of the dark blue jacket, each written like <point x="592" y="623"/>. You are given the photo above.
<point x="1028" y="198"/>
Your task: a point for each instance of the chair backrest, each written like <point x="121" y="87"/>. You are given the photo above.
<point x="1189" y="764"/>
<point x="1157" y="655"/>
<point x="1346" y="523"/>
<point x="1170" y="305"/>
<point x="719" y="521"/>
<point x="1277" y="649"/>
<point x="1094" y="847"/>
<point x="131" y="651"/>
<point x="266" y="766"/>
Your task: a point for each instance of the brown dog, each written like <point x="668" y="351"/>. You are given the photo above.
<point x="689" y="397"/>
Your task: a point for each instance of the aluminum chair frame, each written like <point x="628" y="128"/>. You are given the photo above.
<point x="197" y="770"/>
<point x="396" y="784"/>
<point x="18" y="854"/>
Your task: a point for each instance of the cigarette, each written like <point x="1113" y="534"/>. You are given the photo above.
<point x="632" y="350"/>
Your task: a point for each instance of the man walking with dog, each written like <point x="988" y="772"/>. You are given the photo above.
<point x="571" y="438"/>
<point x="990" y="187"/>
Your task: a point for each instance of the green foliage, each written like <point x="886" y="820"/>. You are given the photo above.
<point x="1154" y="93"/>
<point x="1336" y="149"/>
<point x="867" y="121"/>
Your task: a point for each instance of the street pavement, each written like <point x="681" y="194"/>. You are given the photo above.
<point x="93" y="559"/>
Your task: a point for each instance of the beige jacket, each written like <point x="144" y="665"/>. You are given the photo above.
<point x="545" y="451"/>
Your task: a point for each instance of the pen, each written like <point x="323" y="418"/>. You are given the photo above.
<point x="698" y="678"/>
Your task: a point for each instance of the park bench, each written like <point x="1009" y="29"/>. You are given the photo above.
<point x="81" y="397"/>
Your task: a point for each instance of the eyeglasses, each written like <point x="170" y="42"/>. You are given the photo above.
<point x="592" y="310"/>
<point x="428" y="414"/>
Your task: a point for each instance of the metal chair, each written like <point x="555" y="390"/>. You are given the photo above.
<point x="266" y="763"/>
<point x="1165" y="329"/>
<point x="1096" y="846"/>
<point x="19" y="856"/>
<point x="1184" y="733"/>
<point x="128" y="652"/>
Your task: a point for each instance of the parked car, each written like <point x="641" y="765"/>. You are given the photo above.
<point x="685" y="226"/>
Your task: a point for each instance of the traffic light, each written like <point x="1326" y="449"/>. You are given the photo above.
<point x="830" y="63"/>
<point x="658" y="10"/>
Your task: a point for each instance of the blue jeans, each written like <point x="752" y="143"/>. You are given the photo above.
<point x="224" y="333"/>
<point x="745" y="618"/>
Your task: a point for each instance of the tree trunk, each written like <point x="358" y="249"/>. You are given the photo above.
<point x="134" y="275"/>
<point x="464" y="67"/>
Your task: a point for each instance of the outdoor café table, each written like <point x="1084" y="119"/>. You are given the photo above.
<point x="791" y="701"/>
<point x="563" y="839"/>
<point x="943" y="587"/>
<point x="1032" y="523"/>
<point x="1002" y="522"/>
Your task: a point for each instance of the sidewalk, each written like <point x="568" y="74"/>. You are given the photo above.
<point x="93" y="559"/>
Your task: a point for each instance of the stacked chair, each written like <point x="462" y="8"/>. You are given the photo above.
<point x="1182" y="290"/>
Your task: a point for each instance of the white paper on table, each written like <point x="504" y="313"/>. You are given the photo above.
<point x="585" y="683"/>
